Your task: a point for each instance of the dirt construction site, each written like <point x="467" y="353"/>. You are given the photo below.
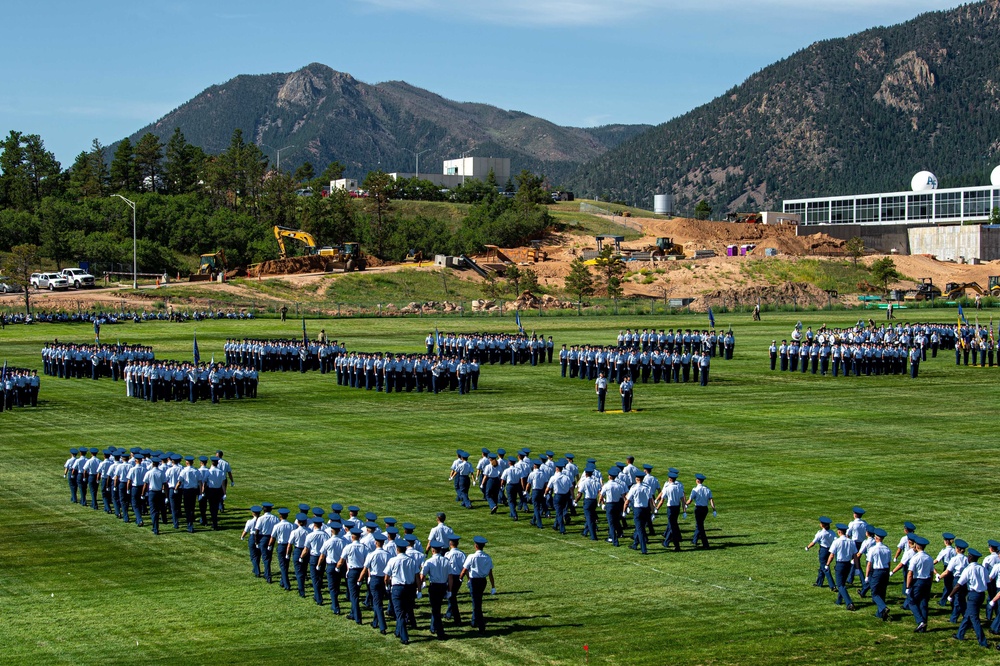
<point x="763" y="274"/>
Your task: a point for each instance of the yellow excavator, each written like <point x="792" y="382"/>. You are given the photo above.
<point x="281" y="233"/>
<point x="210" y="266"/>
<point x="347" y="258"/>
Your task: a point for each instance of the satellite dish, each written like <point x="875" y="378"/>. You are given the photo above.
<point x="924" y="181"/>
<point x="995" y="177"/>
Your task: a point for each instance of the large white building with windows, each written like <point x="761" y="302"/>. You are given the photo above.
<point x="924" y="204"/>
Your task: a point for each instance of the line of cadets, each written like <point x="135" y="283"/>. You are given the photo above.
<point x="183" y="380"/>
<point x="683" y="340"/>
<point x="978" y="342"/>
<point x="406" y="372"/>
<point x="554" y="488"/>
<point x="86" y="361"/>
<point x="151" y="483"/>
<point x="18" y="388"/>
<point x="493" y="348"/>
<point x="590" y="362"/>
<point x="355" y="551"/>
<point x="967" y="583"/>
<point x="284" y="355"/>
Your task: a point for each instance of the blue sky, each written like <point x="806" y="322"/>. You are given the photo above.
<point x="75" y="71"/>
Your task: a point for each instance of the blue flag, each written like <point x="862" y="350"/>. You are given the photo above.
<point x="197" y="355"/>
<point x="961" y="315"/>
<point x="517" y="318"/>
<point x="711" y="317"/>
<point x="305" y="339"/>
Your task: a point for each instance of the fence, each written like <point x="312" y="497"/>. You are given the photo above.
<point x="611" y="210"/>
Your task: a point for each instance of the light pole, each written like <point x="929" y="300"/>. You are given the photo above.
<point x="135" y="255"/>
<point x="418" y="159"/>
<point x="277" y="166"/>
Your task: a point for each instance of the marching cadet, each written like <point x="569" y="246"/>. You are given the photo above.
<point x="972" y="582"/>
<point x="558" y="488"/>
<point x="845" y="553"/>
<point x="944" y="557"/>
<point x="434" y="574"/>
<point x="856" y="530"/>
<point x="701" y="496"/>
<point x="536" y="482"/>
<point x="353" y="557"/>
<point x="955" y="567"/>
<point x="212" y="487"/>
<point x="376" y="563"/>
<point x="311" y="553"/>
<point x="478" y="567"/>
<point x="329" y="556"/>
<point x="990" y="562"/>
<point x="918" y="582"/>
<point x="612" y="498"/>
<point x="589" y="488"/>
<point x="69" y="473"/>
<point x="280" y="535"/>
<point x="673" y="495"/>
<point x="188" y="483"/>
<point x="296" y="543"/>
<point x="877" y="572"/>
<point x="511" y="486"/>
<point x="456" y="559"/>
<point x="250" y="530"/>
<point x="639" y="498"/>
<point x="262" y="534"/>
<point x="773" y="354"/>
<point x="400" y="573"/>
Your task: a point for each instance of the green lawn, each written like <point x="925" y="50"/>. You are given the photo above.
<point x="80" y="587"/>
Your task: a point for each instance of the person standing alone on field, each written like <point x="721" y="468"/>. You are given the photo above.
<point x="601" y="387"/>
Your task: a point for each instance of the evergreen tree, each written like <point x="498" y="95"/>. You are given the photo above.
<point x="180" y="169"/>
<point x="148" y="160"/>
<point x="123" y="174"/>
<point x="379" y="186"/>
<point x="580" y="281"/>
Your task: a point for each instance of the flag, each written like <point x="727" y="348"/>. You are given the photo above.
<point x="305" y="338"/>
<point x="961" y="316"/>
<point x="97" y="330"/>
<point x="517" y="318"/>
<point x="213" y="359"/>
<point x="711" y="317"/>
<point x="3" y="374"/>
<point x="197" y="355"/>
<point x="437" y="340"/>
<point x="991" y="328"/>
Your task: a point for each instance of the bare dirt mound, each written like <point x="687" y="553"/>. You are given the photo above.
<point x="801" y="293"/>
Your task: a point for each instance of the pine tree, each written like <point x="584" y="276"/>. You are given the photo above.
<point x="148" y="159"/>
<point x="123" y="174"/>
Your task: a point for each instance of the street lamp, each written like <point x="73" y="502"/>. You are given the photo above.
<point x="278" y="151"/>
<point x="135" y="255"/>
<point x="418" y="159"/>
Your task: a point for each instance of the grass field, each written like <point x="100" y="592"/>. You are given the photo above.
<point x="80" y="587"/>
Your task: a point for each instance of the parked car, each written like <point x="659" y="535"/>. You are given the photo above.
<point x="77" y="277"/>
<point x="50" y="281"/>
<point x="6" y="287"/>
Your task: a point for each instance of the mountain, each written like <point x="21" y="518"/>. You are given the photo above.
<point x="844" y="116"/>
<point x="325" y="115"/>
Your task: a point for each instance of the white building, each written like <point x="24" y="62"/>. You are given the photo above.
<point x="479" y="168"/>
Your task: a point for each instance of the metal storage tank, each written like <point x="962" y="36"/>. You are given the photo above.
<point x="663" y="204"/>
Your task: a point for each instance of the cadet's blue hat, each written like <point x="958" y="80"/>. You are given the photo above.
<point x="318" y="511"/>
<point x="485" y="450"/>
<point x="870" y="529"/>
<point x="283" y="511"/>
<point x="613" y="472"/>
<point x="673" y="469"/>
<point x="146" y="452"/>
<point x="93" y="449"/>
<point x="542" y="457"/>
<point x="138" y="456"/>
<point x="409" y="526"/>
<point x="647" y="467"/>
<point x="620" y="464"/>
<point x="255" y="509"/>
<point x="921" y="541"/>
<point x="592" y="460"/>
<point x="303" y="507"/>
<point x="959" y="543"/>
<point x="379" y="537"/>
<point x="993" y="543"/>
<point x="550" y="453"/>
<point x="392" y="530"/>
<point x="316" y="521"/>
<point x="74" y="451"/>
<point x="824" y="520"/>
<point x="464" y="454"/>
<point x="336" y="508"/>
<point x="672" y="475"/>
<point x="948" y="536"/>
<point x="841" y="526"/>
<point x="189" y="458"/>
<point x="437" y="544"/>
<point x="371" y="525"/>
<point x="501" y="452"/>
<point x="267" y="505"/>
<point x="458" y="452"/>
<point x="335" y="525"/>
<point x="700" y="477"/>
<point x="972" y="552"/>
<point x="569" y="456"/>
<point x="214" y="458"/>
<point x="301" y="516"/>
<point x="355" y="531"/>
<point x="535" y="461"/>
<point x="175" y="457"/>
<point x="135" y="449"/>
<point x="389" y="520"/>
<point x="511" y="459"/>
<point x="909" y="526"/>
<point x="440" y="514"/>
<point x="479" y="540"/>
<point x="640" y="475"/>
<point x="399" y="543"/>
<point x="590" y="467"/>
<point x="371" y="515"/>
<point x="879" y="532"/>
<point x="353" y="509"/>
<point x="492" y="456"/>
<point x="858" y="510"/>
<point x="409" y="538"/>
<point x="155" y="453"/>
<point x="454" y="537"/>
<point x="203" y="458"/>
<point x="155" y="459"/>
<point x="561" y="462"/>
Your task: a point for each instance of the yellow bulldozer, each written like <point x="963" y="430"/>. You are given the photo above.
<point x="210" y="266"/>
<point x="347" y="257"/>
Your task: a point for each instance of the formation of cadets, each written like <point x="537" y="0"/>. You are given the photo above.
<point x="383" y="570"/>
<point x="68" y="360"/>
<point x="976" y="341"/>
<point x="614" y="364"/>
<point x="407" y="372"/>
<point x="554" y="488"/>
<point x="18" y="388"/>
<point x="969" y="581"/>
<point x="683" y="340"/>
<point x="284" y="355"/>
<point x="119" y="316"/>
<point x="153" y="484"/>
<point x="182" y="380"/>
<point x="492" y="348"/>
<point x="863" y="350"/>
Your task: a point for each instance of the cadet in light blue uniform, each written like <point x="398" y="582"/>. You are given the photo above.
<point x="973" y="580"/>
<point x="155" y="482"/>
<point x="612" y="496"/>
<point x="262" y="534"/>
<point x="639" y="498"/>
<point x="824" y="538"/>
<point x="401" y="573"/>
<point x="877" y="572"/>
<point x="376" y="563"/>
<point x="296" y="542"/>
<point x="589" y="488"/>
<point x="279" y="541"/>
<point x="673" y="495"/>
<point x="478" y="567"/>
<point x="249" y="532"/>
<point x="329" y="557"/>
<point x="701" y="497"/>
<point x="353" y="557"/>
<point x="434" y="574"/>
<point x="918" y="582"/>
<point x="844" y="553"/>
<point x="559" y="487"/>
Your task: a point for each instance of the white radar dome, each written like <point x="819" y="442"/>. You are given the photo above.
<point x="995" y="177"/>
<point x="924" y="181"/>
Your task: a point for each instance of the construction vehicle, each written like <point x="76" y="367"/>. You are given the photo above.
<point x="666" y="247"/>
<point x="954" y="290"/>
<point x="924" y="291"/>
<point x="281" y="233"/>
<point x="745" y="218"/>
<point x="994" y="285"/>
<point x="210" y="266"/>
<point x="347" y="258"/>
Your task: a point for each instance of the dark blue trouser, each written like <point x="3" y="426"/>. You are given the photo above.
<point x="920" y="595"/>
<point x="175" y="507"/>
<point x="137" y="505"/>
<point x="559" y="504"/>
<point x="283" y="564"/>
<point x="354" y="593"/>
<point x="300" y="573"/>
<point x="121" y="501"/>
<point x="333" y="577"/>
<point x="436" y="592"/>
<point x="700" y="512"/>
<point x="538" y="504"/>
<point x="377" y="586"/>
<point x="399" y="606"/>
<point x="71" y="478"/>
<point x="973" y="604"/>
<point x="155" y="499"/>
<point x="612" y="515"/>
<point x="316" y="576"/>
<point x="673" y="532"/>
<point x="477" y="587"/>
<point x="639" y="517"/>
<point x="265" y="554"/>
<point x="958" y="605"/>
<point x="513" y="492"/>
<point x="93" y="491"/>
<point x="843" y="572"/>
<point x="254" y="552"/>
<point x="878" y="582"/>
<point x="590" y="518"/>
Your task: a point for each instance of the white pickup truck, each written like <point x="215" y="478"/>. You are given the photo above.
<point x="77" y="277"/>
